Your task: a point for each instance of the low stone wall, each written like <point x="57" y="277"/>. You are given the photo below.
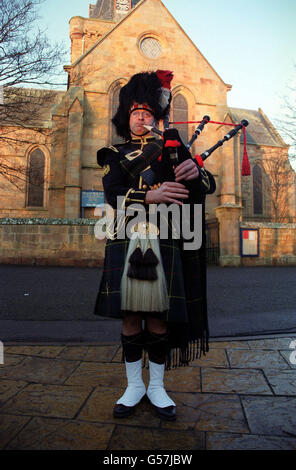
<point x="71" y="242"/>
<point x="52" y="242"/>
<point x="277" y="244"/>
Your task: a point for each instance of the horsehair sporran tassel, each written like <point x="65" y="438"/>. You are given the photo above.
<point x="136" y="261"/>
<point x="142" y="295"/>
<point x="143" y="266"/>
<point x="150" y="262"/>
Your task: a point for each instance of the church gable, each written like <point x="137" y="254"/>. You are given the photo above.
<point x="146" y="39"/>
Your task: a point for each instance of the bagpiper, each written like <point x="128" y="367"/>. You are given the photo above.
<point x="150" y="280"/>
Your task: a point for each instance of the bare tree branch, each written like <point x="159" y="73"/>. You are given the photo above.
<point x="279" y="178"/>
<point x="27" y="59"/>
<point x="287" y="124"/>
<point x="26" y="55"/>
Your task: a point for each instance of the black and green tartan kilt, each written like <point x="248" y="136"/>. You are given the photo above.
<point x="185" y="273"/>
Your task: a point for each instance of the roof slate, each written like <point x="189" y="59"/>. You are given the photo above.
<point x="260" y="130"/>
<point x="39" y="102"/>
<point x="104" y="9"/>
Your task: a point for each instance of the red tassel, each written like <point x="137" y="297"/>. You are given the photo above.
<point x="159" y="158"/>
<point x="246" y="169"/>
<point x="199" y="160"/>
<point x="172" y="143"/>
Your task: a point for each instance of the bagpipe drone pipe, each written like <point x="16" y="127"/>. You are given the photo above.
<point x="175" y="151"/>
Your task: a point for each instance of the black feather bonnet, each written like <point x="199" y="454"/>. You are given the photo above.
<point x="150" y="88"/>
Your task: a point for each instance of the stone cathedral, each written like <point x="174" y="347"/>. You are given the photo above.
<point x="117" y="40"/>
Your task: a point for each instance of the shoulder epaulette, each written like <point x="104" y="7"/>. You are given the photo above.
<point x="105" y="152"/>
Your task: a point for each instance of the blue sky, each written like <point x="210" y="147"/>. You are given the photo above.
<point x="251" y="44"/>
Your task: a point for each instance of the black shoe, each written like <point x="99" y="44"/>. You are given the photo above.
<point x="168" y="413"/>
<point x="122" y="411"/>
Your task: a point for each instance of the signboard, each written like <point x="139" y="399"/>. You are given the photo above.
<point x="91" y="198"/>
<point x="249" y="241"/>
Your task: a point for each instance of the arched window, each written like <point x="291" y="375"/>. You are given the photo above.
<point x="115" y="139"/>
<point x="257" y="190"/>
<point x="36" y="169"/>
<point x="180" y="113"/>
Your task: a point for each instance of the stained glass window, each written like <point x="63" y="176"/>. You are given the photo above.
<point x="115" y="139"/>
<point x="180" y="113"/>
<point x="257" y="190"/>
<point x="36" y="178"/>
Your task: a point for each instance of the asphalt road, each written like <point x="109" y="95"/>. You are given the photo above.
<point x="56" y="303"/>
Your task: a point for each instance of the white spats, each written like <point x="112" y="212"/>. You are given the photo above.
<point x="135" y="386"/>
<point x="156" y="391"/>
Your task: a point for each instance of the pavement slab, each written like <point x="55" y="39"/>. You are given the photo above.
<point x="271" y="343"/>
<point x="208" y="412"/>
<point x="95" y="374"/>
<point x="102" y="353"/>
<point x="47" y="400"/>
<point x="9" y="363"/>
<point x="39" y="351"/>
<point x="127" y="438"/>
<point x="289" y="357"/>
<point x="182" y="379"/>
<point x="271" y="415"/>
<point x="234" y="381"/>
<point x="229" y="345"/>
<point x="241" y="395"/>
<point x="57" y="434"/>
<point x="43" y="370"/>
<point x="258" y="359"/>
<point x="225" y="441"/>
<point x="282" y="382"/>
<point x="10" y="426"/>
<point x="214" y="358"/>
<point x="9" y="388"/>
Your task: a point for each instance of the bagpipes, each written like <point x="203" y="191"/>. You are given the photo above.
<point x="173" y="142"/>
<point x="177" y="147"/>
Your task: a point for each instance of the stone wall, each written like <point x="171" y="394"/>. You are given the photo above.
<point x="277" y="244"/>
<point x="52" y="242"/>
<point x="72" y="242"/>
<point x="85" y="32"/>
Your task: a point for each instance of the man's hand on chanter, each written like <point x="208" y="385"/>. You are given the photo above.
<point x="168" y="192"/>
<point x="187" y="170"/>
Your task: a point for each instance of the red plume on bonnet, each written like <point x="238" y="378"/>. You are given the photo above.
<point x="165" y="77"/>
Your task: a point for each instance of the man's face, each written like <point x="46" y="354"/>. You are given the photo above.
<point x="138" y="118"/>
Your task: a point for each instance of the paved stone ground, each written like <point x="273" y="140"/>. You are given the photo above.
<point x="241" y="395"/>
